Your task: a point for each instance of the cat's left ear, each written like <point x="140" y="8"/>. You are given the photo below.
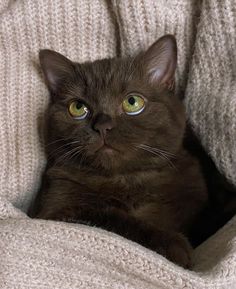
<point x="160" y="61"/>
<point x="56" y="68"/>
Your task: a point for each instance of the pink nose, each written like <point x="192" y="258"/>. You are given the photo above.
<point x="103" y="124"/>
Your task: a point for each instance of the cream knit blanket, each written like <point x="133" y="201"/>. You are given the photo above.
<point x="39" y="254"/>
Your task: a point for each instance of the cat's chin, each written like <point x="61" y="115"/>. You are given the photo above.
<point x="107" y="149"/>
<point x="106" y="157"/>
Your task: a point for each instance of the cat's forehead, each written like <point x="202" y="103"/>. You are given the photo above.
<point x="109" y="75"/>
<point x="104" y="84"/>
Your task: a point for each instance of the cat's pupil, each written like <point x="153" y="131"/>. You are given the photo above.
<point x="131" y="100"/>
<point x="79" y="105"/>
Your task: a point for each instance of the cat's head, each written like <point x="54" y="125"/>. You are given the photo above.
<point x="118" y="113"/>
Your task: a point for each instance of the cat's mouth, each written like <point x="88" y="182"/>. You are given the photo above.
<point x="106" y="148"/>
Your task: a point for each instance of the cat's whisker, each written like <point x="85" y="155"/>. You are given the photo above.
<point x="61" y="148"/>
<point x="65" y="157"/>
<point x="83" y="158"/>
<point x="69" y="154"/>
<point x="70" y="143"/>
<point x="159" y="150"/>
<point x="156" y="149"/>
<point x="157" y="153"/>
<point x="56" y="141"/>
<point x="61" y="158"/>
<point x="161" y="155"/>
<point x="57" y="150"/>
<point x="76" y="153"/>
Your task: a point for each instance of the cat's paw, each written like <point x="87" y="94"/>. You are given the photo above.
<point x="173" y="246"/>
<point x="179" y="251"/>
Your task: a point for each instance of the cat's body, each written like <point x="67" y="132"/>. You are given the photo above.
<point x="159" y="197"/>
<point x="118" y="159"/>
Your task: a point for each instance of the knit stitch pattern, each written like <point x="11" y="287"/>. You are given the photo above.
<point x="39" y="254"/>
<point x="211" y="90"/>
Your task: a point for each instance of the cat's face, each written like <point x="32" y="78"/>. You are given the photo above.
<point x="114" y="113"/>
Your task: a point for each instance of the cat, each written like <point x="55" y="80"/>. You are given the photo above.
<point x="120" y="152"/>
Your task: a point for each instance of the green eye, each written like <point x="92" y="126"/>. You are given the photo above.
<point x="133" y="104"/>
<point x="78" y="110"/>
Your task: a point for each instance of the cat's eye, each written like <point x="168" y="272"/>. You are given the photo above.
<point x="133" y="104"/>
<point x="78" y="110"/>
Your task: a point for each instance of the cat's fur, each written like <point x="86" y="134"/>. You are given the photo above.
<point x="134" y="175"/>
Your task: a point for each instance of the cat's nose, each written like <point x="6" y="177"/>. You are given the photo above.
<point x="103" y="123"/>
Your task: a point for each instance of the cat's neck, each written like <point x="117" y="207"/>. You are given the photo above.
<point x="169" y="165"/>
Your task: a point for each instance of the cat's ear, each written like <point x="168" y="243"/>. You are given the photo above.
<point x="56" y="67"/>
<point x="160" y="61"/>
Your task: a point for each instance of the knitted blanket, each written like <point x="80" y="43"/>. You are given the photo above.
<point x="39" y="254"/>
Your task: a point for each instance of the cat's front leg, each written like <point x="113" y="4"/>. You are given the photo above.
<point x="62" y="214"/>
<point x="174" y="246"/>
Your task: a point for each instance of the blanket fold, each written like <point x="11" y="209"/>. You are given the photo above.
<point x="46" y="254"/>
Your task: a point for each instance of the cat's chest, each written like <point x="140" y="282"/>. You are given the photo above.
<point x="128" y="189"/>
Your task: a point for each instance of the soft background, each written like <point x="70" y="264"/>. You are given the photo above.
<point x="40" y="254"/>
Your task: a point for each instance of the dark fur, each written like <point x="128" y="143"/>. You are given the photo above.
<point x="155" y="200"/>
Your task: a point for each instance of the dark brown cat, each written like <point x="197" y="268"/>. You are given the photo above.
<point x="117" y="151"/>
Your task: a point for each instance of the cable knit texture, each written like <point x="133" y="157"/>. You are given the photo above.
<point x="45" y="254"/>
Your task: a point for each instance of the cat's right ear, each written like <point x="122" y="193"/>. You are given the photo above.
<point x="56" y="68"/>
<point x="160" y="61"/>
